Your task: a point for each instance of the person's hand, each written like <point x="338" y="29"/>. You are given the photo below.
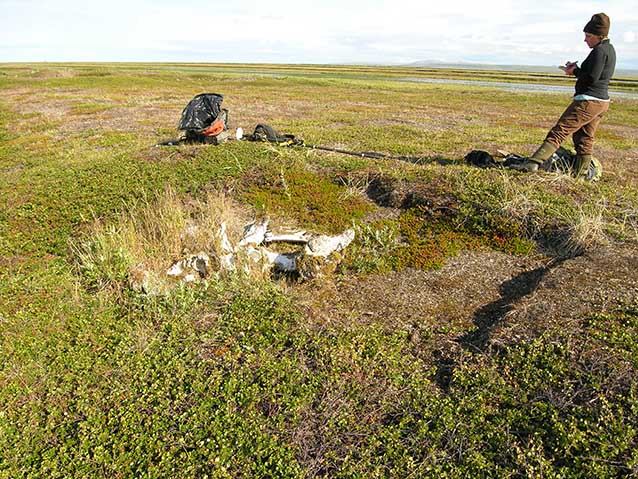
<point x="570" y="67"/>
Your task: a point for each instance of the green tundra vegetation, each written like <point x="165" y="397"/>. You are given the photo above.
<point x="483" y="323"/>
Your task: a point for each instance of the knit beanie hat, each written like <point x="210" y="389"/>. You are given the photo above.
<point x="598" y="25"/>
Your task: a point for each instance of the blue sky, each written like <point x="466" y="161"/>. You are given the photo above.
<point x="541" y="32"/>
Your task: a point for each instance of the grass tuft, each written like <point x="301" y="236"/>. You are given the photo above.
<point x="151" y="234"/>
<point x="586" y="231"/>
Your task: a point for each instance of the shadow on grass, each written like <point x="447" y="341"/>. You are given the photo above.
<point x="485" y="318"/>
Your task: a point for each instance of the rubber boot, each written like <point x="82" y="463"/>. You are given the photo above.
<point x="581" y="165"/>
<point x="539" y="157"/>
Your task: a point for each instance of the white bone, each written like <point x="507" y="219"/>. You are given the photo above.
<point x="298" y="237"/>
<point x="285" y="262"/>
<point x="225" y="244"/>
<point x="198" y="262"/>
<point x="227" y="262"/>
<point x="175" y="270"/>
<point x="254" y="233"/>
<point x="280" y="261"/>
<point x="324" y="245"/>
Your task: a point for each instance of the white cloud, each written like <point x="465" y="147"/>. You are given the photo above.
<point x="531" y="32"/>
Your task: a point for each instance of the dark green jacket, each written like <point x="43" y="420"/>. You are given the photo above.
<point x="594" y="74"/>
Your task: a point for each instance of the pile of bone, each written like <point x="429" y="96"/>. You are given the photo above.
<point x="314" y="255"/>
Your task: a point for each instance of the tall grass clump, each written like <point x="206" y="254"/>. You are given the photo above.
<point x="586" y="230"/>
<point x="152" y="234"/>
<point x="554" y="210"/>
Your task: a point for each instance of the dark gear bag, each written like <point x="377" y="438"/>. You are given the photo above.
<point x="480" y="158"/>
<point x="562" y="161"/>
<point x="203" y="118"/>
<point x="268" y="133"/>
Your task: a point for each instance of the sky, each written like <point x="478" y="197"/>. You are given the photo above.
<point x="394" y="32"/>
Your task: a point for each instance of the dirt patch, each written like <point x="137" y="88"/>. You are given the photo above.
<point x="123" y="119"/>
<point x="478" y="300"/>
<point x="48" y="73"/>
<point x="599" y="281"/>
<point x="619" y="166"/>
<point x="441" y="299"/>
<point x="250" y="113"/>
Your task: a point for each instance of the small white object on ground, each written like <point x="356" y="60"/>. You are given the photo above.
<point x="254" y="233"/>
<point x="323" y="245"/>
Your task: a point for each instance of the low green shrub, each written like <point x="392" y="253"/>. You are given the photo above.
<point x="291" y="190"/>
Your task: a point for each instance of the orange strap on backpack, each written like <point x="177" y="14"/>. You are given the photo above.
<point x="215" y="128"/>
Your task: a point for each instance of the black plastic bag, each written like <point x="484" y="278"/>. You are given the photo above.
<point x="200" y="112"/>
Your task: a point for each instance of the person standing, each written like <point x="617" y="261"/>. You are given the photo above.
<point x="590" y="102"/>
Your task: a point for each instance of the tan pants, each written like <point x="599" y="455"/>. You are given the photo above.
<point x="580" y="119"/>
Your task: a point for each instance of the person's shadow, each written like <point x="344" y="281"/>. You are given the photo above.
<point x="487" y="316"/>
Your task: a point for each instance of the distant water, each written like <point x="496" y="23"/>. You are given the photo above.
<point x="522" y="87"/>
